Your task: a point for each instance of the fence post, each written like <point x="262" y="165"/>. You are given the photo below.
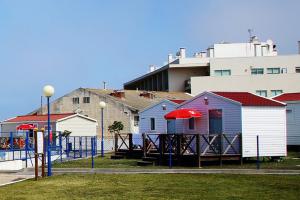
<point x="26" y="148"/>
<point x="144" y="145"/>
<point x="96" y="145"/>
<point x="241" y="147"/>
<point x="60" y="146"/>
<point x="86" y="154"/>
<point x="74" y="148"/>
<point x="80" y="146"/>
<point x="257" y="153"/>
<point x="198" y="149"/>
<point x="92" y="145"/>
<point x="170" y="151"/>
<point x="221" y="148"/>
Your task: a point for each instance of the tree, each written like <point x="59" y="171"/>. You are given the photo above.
<point x="116" y="127"/>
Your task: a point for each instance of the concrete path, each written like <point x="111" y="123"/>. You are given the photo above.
<point x="10" y="178"/>
<point x="174" y="171"/>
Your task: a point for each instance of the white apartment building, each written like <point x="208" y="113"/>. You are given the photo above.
<point x="253" y="66"/>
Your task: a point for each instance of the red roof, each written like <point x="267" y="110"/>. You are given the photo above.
<point x="288" y="97"/>
<point x="38" y="118"/>
<point x="249" y="99"/>
<point x="178" y="101"/>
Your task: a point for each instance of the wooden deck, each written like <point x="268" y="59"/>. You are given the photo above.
<point x="192" y="149"/>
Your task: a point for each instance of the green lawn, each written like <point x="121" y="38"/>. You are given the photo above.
<point x="290" y="162"/>
<point x="156" y="186"/>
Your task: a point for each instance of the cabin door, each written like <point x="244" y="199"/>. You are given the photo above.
<point x="171" y="126"/>
<point x="215" y="121"/>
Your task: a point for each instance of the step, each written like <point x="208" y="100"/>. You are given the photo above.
<point x="116" y="157"/>
<point x="152" y="159"/>
<point x="120" y="153"/>
<point x="144" y="163"/>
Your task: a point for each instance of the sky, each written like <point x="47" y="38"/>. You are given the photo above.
<point x="71" y="43"/>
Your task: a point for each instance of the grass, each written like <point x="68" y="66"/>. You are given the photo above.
<point x="290" y="162"/>
<point x="156" y="186"/>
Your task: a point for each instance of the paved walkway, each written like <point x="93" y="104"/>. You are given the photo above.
<point x="167" y="171"/>
<point x="9" y="178"/>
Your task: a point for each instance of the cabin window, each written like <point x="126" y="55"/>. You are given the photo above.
<point x="257" y="71"/>
<point x="276" y="92"/>
<point x="262" y="93"/>
<point x="226" y="72"/>
<point x="273" y="70"/>
<point x="290" y="116"/>
<point x="192" y="123"/>
<point x="152" y="123"/>
<point x="284" y="70"/>
<point x="136" y="120"/>
<point x="86" y="99"/>
<point x="75" y="100"/>
<point x="297" y="69"/>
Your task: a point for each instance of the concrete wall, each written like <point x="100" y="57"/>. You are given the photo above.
<point x="114" y="111"/>
<point x="243" y="65"/>
<point x="270" y="124"/>
<point x="177" y="76"/>
<point x="285" y="82"/>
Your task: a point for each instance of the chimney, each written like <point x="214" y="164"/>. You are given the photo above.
<point x="118" y="94"/>
<point x="298" y="47"/>
<point x="148" y="95"/>
<point x="182" y="52"/>
<point x="170" y="58"/>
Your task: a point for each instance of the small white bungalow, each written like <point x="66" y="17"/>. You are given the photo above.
<point x="240" y="112"/>
<point x="79" y="125"/>
<point x="293" y="117"/>
<point x="152" y="118"/>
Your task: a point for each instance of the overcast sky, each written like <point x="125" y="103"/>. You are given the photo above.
<point x="71" y="43"/>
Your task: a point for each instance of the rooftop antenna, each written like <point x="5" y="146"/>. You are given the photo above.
<point x="250" y="31"/>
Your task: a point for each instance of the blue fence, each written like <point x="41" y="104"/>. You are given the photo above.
<point x="20" y="146"/>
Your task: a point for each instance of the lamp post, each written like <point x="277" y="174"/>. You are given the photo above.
<point x="102" y="105"/>
<point x="48" y="92"/>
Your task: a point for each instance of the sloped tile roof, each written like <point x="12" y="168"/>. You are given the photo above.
<point x="288" y="97"/>
<point x="38" y="118"/>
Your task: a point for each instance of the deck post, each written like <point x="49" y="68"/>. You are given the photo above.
<point x="144" y="145"/>
<point x="116" y="142"/>
<point x="160" y="136"/>
<point x="198" y="149"/>
<point x="241" y="148"/>
<point x="221" y="148"/>
<point x="178" y="147"/>
<point x="130" y="143"/>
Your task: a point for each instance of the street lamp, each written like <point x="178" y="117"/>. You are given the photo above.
<point x="48" y="92"/>
<point x="102" y="105"/>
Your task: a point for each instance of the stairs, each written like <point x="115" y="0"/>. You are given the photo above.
<point x="147" y="161"/>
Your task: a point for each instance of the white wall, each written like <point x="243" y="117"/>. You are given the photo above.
<point x="270" y="124"/>
<point x="293" y="123"/>
<point x="158" y="113"/>
<point x="231" y="114"/>
<point x="78" y="126"/>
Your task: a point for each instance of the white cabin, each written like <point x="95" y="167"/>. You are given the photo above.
<point x="292" y="117"/>
<point x="240" y="112"/>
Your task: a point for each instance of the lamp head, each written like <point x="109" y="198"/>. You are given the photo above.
<point x="48" y="91"/>
<point x="102" y="104"/>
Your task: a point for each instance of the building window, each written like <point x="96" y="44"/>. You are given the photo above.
<point x="273" y="70"/>
<point x="75" y="100"/>
<point x="192" y="123"/>
<point x="152" y="123"/>
<point x="86" y="99"/>
<point x="256" y="71"/>
<point x="276" y="92"/>
<point x="283" y="70"/>
<point x="297" y="69"/>
<point x="136" y="120"/>
<point x="262" y="93"/>
<point x="226" y="72"/>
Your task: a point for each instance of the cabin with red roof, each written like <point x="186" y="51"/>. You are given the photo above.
<point x="292" y="118"/>
<point x="238" y="112"/>
<point x="79" y="125"/>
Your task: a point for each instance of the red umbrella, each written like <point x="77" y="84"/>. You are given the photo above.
<point x="25" y="127"/>
<point x="184" y="113"/>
